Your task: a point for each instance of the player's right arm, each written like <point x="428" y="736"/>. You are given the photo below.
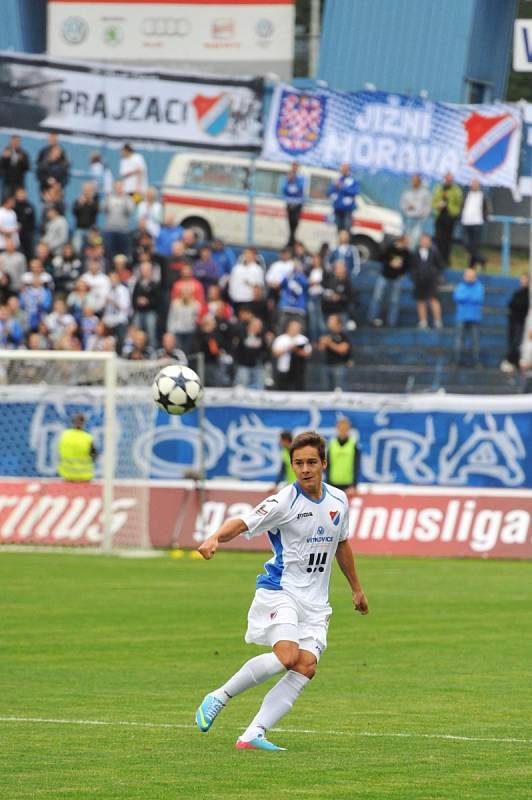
<point x="229" y="530"/>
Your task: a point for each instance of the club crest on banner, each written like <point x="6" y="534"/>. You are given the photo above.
<point x="488" y="140"/>
<point x="300" y="121"/>
<point x="213" y="113"/>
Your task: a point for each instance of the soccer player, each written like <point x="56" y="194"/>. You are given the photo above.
<point x="307" y="523"/>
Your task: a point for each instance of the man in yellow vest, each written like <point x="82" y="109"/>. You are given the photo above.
<point x="343" y="458"/>
<point x="286" y="473"/>
<point x="76" y="452"/>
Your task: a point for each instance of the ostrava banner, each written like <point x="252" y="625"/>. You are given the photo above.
<point x="379" y="132"/>
<point x="40" y="94"/>
<point x="386" y="519"/>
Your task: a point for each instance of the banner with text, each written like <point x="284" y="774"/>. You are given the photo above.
<point x="426" y="440"/>
<point x="37" y="93"/>
<point x="380" y="132"/>
<point x="383" y="520"/>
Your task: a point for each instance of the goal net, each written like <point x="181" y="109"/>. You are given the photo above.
<point x="40" y="391"/>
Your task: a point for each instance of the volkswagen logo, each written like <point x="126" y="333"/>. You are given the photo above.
<point x="264" y="28"/>
<point x="165" y="26"/>
<point x="74" y="30"/>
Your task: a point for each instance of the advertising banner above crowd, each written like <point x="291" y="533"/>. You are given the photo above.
<point x="423" y="440"/>
<point x="391" y="520"/>
<point x="379" y="132"/>
<point x="39" y="94"/>
<point x="233" y="36"/>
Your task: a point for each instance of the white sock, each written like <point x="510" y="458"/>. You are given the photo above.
<point x="276" y="704"/>
<point x="255" y="671"/>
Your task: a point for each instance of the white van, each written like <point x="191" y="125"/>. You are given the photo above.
<point x="211" y="194"/>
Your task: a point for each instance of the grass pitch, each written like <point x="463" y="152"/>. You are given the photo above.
<point x="446" y="651"/>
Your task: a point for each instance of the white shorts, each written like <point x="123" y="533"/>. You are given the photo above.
<point x="275" y="615"/>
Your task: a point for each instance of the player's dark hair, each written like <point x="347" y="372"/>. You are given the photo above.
<point x="308" y="439"/>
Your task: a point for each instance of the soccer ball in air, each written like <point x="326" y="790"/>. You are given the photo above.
<point x="177" y="390"/>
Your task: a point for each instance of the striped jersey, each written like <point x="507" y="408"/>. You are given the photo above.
<point x="304" y="534"/>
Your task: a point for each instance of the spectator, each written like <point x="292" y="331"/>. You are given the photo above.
<point x="5" y="286"/>
<point x="415" y="205"/>
<point x="88" y="325"/>
<point x="190" y="240"/>
<point x="59" y="321"/>
<point x="14" y="164"/>
<point x="217" y="361"/>
<point x="426" y="267"/>
<point x="188" y="279"/>
<point x="469" y="297"/>
<point x="293" y="191"/>
<point x="259" y="307"/>
<point x="293" y="298"/>
<point x="245" y="275"/>
<point x="346" y="252"/>
<point x="446" y="205"/>
<point x="56" y="232"/>
<point x="42" y="253"/>
<point x="52" y="196"/>
<point x="336" y="348"/>
<point x="16" y="313"/>
<point x="146" y="302"/>
<point x="118" y="210"/>
<point x="36" y="300"/>
<point x="85" y="211"/>
<point x="8" y="222"/>
<point x="517" y="314"/>
<point x="169" y="233"/>
<point x="13" y="264"/>
<point x="176" y="262"/>
<point x="343" y="192"/>
<point x="136" y="347"/>
<point x="251" y="351"/>
<point x="122" y="268"/>
<point x="224" y="257"/>
<point x="278" y="271"/>
<point x="216" y="304"/>
<point x="102" y="177"/>
<point x="183" y="317"/>
<point x="206" y="269"/>
<point x="291" y="351"/>
<point x="78" y="299"/>
<point x="37" y="270"/>
<point x="475" y="211"/>
<point x="315" y="322"/>
<point x="150" y="211"/>
<point x="25" y="214"/>
<point x="395" y="264"/>
<point x="97" y="342"/>
<point x="11" y="331"/>
<point x="98" y="283"/>
<point x="170" y="351"/>
<point x="338" y="295"/>
<point x="343" y="454"/>
<point x="66" y="269"/>
<point x="301" y="254"/>
<point x="117" y="310"/>
<point x="133" y="173"/>
<point x="53" y="166"/>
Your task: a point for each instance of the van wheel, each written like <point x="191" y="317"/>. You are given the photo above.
<point x="201" y="228"/>
<point x="368" y="250"/>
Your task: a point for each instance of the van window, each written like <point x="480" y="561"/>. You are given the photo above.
<point x="268" y="181"/>
<point x="207" y="175"/>
<point x="319" y="185"/>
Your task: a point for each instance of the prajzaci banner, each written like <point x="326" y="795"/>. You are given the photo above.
<point x="379" y="132"/>
<point x="37" y="93"/>
<point x="424" y="440"/>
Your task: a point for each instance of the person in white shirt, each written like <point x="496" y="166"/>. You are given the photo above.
<point x="245" y="275"/>
<point x="308" y="525"/>
<point x="151" y="211"/>
<point x="8" y="223"/>
<point x="291" y="350"/>
<point x="133" y="172"/>
<point x="117" y="310"/>
<point x="475" y="211"/>
<point x="98" y="283"/>
<point x="280" y="269"/>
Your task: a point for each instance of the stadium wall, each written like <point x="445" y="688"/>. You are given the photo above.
<point x="390" y="520"/>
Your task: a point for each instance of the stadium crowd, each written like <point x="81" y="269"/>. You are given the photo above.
<point x="126" y="277"/>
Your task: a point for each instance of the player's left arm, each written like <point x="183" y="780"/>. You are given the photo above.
<point x="346" y="561"/>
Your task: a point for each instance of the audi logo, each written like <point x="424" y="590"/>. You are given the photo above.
<point x="165" y="26"/>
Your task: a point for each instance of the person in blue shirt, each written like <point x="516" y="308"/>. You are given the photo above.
<point x="169" y="233"/>
<point x="343" y="192"/>
<point x="293" y="190"/>
<point x="223" y="256"/>
<point x="293" y="297"/>
<point x="346" y="252"/>
<point x="469" y="298"/>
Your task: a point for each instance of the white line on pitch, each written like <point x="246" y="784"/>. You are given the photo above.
<point x="174" y="725"/>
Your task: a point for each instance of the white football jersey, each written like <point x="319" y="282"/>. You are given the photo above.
<point x="304" y="535"/>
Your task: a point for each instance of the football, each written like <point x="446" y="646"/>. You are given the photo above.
<point x="177" y="390"/>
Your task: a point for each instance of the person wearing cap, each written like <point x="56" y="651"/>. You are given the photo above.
<point x="77" y="452"/>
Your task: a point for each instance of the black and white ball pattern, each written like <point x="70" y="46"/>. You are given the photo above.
<point x="177" y="390"/>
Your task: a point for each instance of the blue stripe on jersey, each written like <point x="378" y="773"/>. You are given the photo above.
<point x="306" y="496"/>
<point x="275" y="566"/>
<point x="328" y="490"/>
<point x="298" y="492"/>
